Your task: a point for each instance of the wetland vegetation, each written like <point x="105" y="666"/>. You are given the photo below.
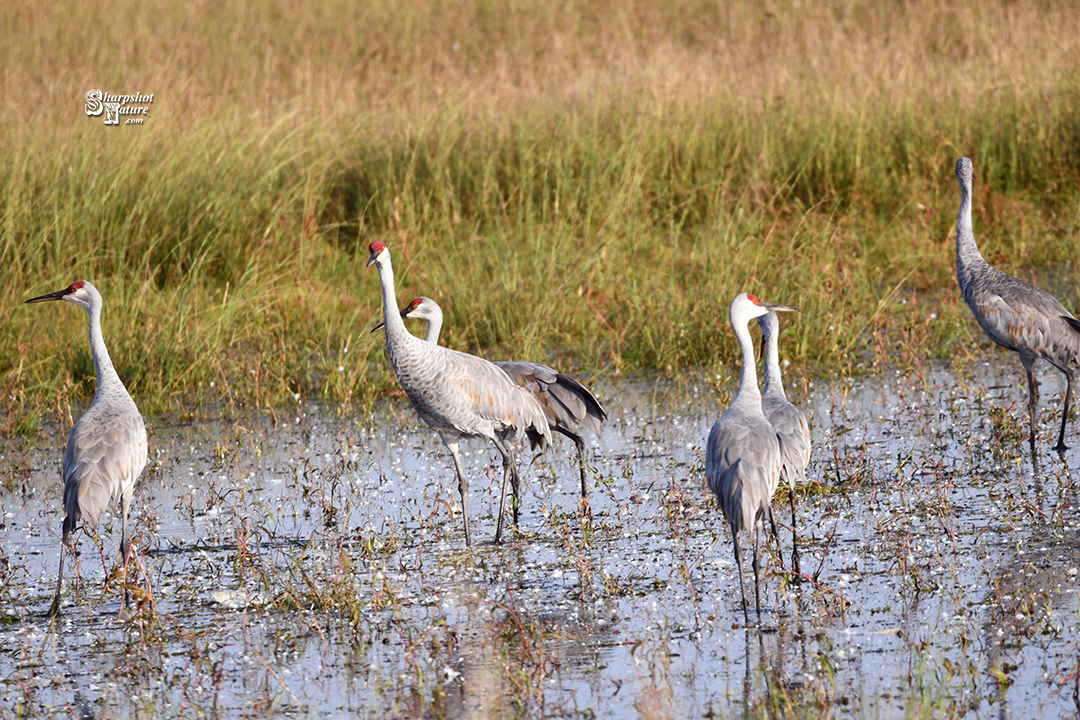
<point x="586" y="184"/>
<point x="315" y="565"/>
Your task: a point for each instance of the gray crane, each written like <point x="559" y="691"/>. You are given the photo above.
<point x="742" y="454"/>
<point x="106" y="451"/>
<point x="458" y="395"/>
<point x="1016" y="315"/>
<point x="788" y="420"/>
<point x="569" y="406"/>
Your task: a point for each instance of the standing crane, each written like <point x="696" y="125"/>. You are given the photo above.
<point x="458" y="395"/>
<point x="742" y="455"/>
<point x="106" y="451"/>
<point x="1016" y="315"/>
<point x="788" y="420"/>
<point x="569" y="406"/>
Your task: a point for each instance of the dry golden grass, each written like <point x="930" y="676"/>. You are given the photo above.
<point x="389" y="67"/>
<point x="588" y="182"/>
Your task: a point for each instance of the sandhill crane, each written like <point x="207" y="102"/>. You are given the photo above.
<point x="569" y="406"/>
<point x="788" y="420"/>
<point x="106" y="451"/>
<point x="1014" y="314"/>
<point x="742" y="455"/>
<point x="458" y="395"/>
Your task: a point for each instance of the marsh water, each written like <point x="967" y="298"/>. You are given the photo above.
<point x="306" y="563"/>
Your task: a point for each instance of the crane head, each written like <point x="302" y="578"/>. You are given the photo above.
<point x="79" y="292"/>
<point x="422" y="308"/>
<point x="964" y="172"/>
<point x="769" y="307"/>
<point x="746" y="307"/>
<point x="376" y="248"/>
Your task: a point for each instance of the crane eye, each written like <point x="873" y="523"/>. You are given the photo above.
<point x="753" y="299"/>
<point x="76" y="286"/>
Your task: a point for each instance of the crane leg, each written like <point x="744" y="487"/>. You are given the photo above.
<point x="463" y="486"/>
<point x="69" y="525"/>
<point x="738" y="564"/>
<point x="515" y="488"/>
<point x="581" y="465"/>
<point x="757" y="576"/>
<point x="507" y="449"/>
<point x="776" y="537"/>
<point x="586" y="511"/>
<point x="502" y="505"/>
<point x="1028" y="362"/>
<point x="1061" y="446"/>
<point x="509" y="472"/>
<point x="125" y="543"/>
<point x="794" y="539"/>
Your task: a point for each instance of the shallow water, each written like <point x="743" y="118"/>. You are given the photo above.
<point x="942" y="568"/>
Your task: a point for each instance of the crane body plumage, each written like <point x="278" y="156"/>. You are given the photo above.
<point x="456" y="394"/>
<point x="742" y="453"/>
<point x="1014" y="314"/>
<point x="569" y="406"/>
<point x="789" y="422"/>
<point x="107" y="449"/>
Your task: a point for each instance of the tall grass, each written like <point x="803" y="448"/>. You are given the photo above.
<point x="587" y="183"/>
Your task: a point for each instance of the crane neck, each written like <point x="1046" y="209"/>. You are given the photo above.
<point x="394" y="326"/>
<point x="967" y="252"/>
<point x="107" y="378"/>
<point x="434" y="327"/>
<point x="774" y="381"/>
<point x="748" y="388"/>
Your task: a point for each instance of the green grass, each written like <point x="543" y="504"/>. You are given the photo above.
<point x="588" y="187"/>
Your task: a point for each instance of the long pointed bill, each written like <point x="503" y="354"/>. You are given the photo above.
<point x="779" y="308"/>
<point x="58" y="295"/>
<point x="380" y="326"/>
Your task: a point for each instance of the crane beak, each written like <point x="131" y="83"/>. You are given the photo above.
<point x="380" y="326"/>
<point x="58" y="295"/>
<point x="779" y="308"/>
<point x="371" y="258"/>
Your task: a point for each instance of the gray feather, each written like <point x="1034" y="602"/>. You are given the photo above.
<point x="106" y="453"/>
<point x="793" y="433"/>
<point x="569" y="406"/>
<point x="742" y="462"/>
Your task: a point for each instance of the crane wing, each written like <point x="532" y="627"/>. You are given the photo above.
<point x="1022" y="317"/>
<point x="105" y="455"/>
<point x="488" y="393"/>
<point x="565" y="401"/>
<point x="742" y="465"/>
<point x="793" y="432"/>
